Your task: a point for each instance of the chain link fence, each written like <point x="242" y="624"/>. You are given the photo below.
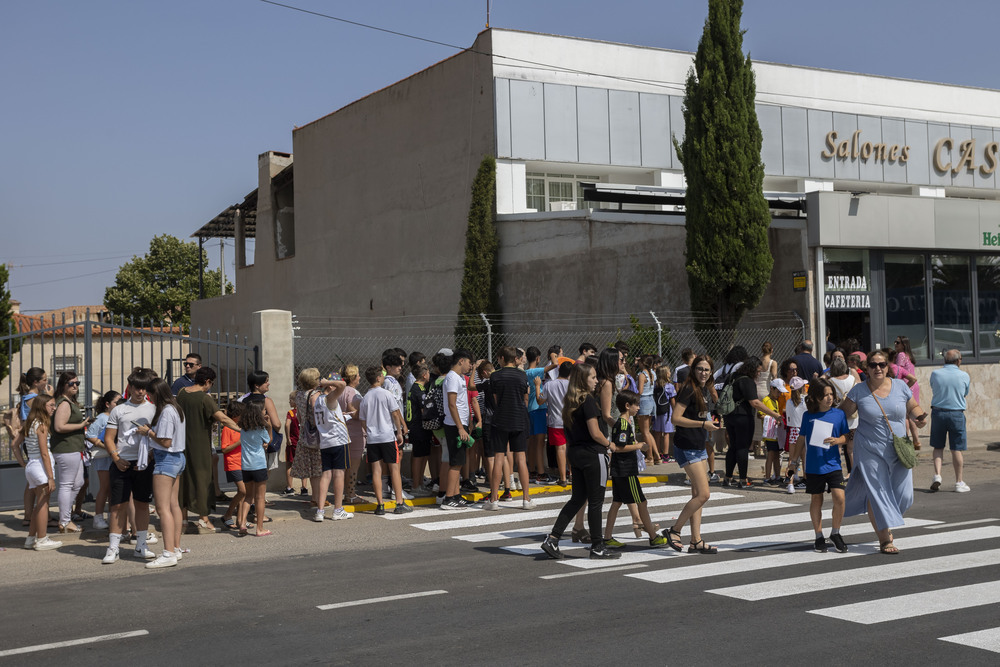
<point x="329" y="353"/>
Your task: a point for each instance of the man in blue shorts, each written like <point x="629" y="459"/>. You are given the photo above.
<point x="950" y="386"/>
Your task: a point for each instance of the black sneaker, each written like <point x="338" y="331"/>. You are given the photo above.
<point x="601" y="550"/>
<point x="380" y="510"/>
<point x="820" y="546"/>
<point x="289" y="491"/>
<point x="838" y="542"/>
<point x="727" y="482"/>
<point x="451" y="503"/>
<point x="506" y="497"/>
<point x="402" y="509"/>
<point x="551" y="547"/>
<point x="469" y="485"/>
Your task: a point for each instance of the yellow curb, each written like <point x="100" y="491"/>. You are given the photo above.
<point x="476" y="497"/>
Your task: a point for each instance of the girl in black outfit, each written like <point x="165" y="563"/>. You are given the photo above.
<point x="587" y="451"/>
<point x="740" y="422"/>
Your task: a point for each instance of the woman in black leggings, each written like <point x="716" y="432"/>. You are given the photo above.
<point x="740" y="422"/>
<point x="587" y="451"/>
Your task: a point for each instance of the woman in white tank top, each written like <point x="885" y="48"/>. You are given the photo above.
<point x="39" y="467"/>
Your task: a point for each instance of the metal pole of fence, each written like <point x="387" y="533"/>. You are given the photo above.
<point x="74" y="347"/>
<point x="103" y="367"/>
<point x="489" y="337"/>
<point x="88" y="363"/>
<point x="659" y="335"/>
<point x="121" y="337"/>
<point x="142" y="342"/>
<point x="63" y="339"/>
<point x="229" y="374"/>
<point x="10" y="356"/>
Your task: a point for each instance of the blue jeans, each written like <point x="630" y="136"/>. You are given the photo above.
<point x="170" y="464"/>
<point x="950" y="423"/>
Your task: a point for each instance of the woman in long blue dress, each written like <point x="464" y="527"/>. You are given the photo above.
<point x="879" y="484"/>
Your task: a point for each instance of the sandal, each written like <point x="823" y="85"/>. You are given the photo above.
<point x="674" y="544"/>
<point x="888" y="548"/>
<point x="637" y="529"/>
<point x="581" y="536"/>
<point x="701" y="548"/>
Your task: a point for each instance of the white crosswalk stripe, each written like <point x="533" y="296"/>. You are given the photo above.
<point x="774" y="538"/>
<point x="988" y="640"/>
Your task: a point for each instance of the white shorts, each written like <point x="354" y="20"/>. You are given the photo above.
<point x="35" y="472"/>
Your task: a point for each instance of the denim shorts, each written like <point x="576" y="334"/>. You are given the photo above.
<point x="646" y="406"/>
<point x="103" y="463"/>
<point x="687" y="456"/>
<point x="170" y="464"/>
<point x="950" y="425"/>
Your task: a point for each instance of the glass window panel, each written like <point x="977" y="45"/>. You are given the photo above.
<point x="906" y="301"/>
<point x="951" y="283"/>
<point x="535" y="188"/>
<point x="845" y="266"/>
<point x="988" y="287"/>
<point x="561" y="196"/>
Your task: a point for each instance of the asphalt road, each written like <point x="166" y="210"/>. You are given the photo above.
<point x="257" y="600"/>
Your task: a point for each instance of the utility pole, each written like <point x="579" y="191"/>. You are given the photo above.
<point x="487" y="13"/>
<point x="222" y="265"/>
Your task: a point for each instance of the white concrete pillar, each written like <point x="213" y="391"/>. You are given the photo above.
<point x="511" y="186"/>
<point x="271" y="332"/>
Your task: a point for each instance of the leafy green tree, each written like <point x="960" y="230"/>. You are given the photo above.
<point x="728" y="258"/>
<point x="6" y="322"/>
<point x="479" y="278"/>
<point x="162" y="284"/>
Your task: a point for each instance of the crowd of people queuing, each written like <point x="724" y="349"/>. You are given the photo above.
<point x="524" y="418"/>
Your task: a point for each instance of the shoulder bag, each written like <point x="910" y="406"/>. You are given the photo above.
<point x="904" y="446"/>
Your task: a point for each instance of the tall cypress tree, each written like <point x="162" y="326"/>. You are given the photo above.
<point x="728" y="259"/>
<point x="479" y="278"/>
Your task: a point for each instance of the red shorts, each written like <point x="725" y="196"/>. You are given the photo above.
<point x="557" y="437"/>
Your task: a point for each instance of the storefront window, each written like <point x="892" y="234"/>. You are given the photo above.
<point x="906" y="301"/>
<point x="988" y="288"/>
<point x="535" y="189"/>
<point x="952" y="303"/>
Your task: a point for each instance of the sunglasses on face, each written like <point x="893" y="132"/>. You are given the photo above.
<point x="704" y="370"/>
<point x="878" y="364"/>
<point x="75" y="383"/>
<point x="188" y="364"/>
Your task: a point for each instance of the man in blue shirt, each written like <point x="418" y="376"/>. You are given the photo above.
<point x="950" y="386"/>
<point x="192" y="362"/>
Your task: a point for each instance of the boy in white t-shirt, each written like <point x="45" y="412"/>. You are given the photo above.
<point x="383" y="423"/>
<point x="456" y="422"/>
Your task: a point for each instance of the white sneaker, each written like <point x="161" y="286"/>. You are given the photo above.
<point x="406" y="496"/>
<point x="491" y="506"/>
<point x="46" y="543"/>
<point x="29" y="543"/>
<point x="439" y="499"/>
<point x="145" y="554"/>
<point x="529" y="505"/>
<point x="163" y="560"/>
<point x="791" y="488"/>
<point x="151" y="538"/>
<point x="111" y="556"/>
<point x="178" y="553"/>
<point x="340" y="514"/>
<point x="517" y="483"/>
<point x="960" y="487"/>
<point x="319" y="515"/>
<point x="714" y="477"/>
<point x="100" y="523"/>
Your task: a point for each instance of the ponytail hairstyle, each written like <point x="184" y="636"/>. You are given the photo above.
<point x="255" y="379"/>
<point x="29" y="379"/>
<point x="663" y="375"/>
<point x="160" y="395"/>
<point x="37" y="413"/>
<point x="577" y="392"/>
<point x="104" y="402"/>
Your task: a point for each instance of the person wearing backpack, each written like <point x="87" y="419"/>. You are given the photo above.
<point x="420" y="438"/>
<point x="308" y="460"/>
<point x="737" y="405"/>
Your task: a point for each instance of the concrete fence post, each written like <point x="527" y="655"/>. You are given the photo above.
<point x="271" y="332"/>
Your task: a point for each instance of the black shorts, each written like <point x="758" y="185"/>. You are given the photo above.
<point x="132" y="483"/>
<point x="383" y="451"/>
<point x="335" y="458"/>
<point x="456" y="453"/>
<point x="421" y="444"/>
<point x="626" y="490"/>
<point x="771" y="445"/>
<point x="255" y="475"/>
<point x="516" y="440"/>
<point x="234" y="476"/>
<point x="818" y="484"/>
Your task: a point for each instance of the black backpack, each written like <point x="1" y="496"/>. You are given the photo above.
<point x="433" y="407"/>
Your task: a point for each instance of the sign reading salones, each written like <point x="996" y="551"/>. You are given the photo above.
<point x="968" y="158"/>
<point x="855" y="149"/>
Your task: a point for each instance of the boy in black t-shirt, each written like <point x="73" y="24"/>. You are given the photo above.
<point x="625" y="489"/>
<point x="420" y="439"/>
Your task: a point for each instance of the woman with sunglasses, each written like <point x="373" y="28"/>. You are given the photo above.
<point x="880" y="485"/>
<point x="691" y="420"/>
<point x="68" y="443"/>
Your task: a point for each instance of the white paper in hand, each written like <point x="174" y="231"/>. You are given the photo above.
<point x="821" y="431"/>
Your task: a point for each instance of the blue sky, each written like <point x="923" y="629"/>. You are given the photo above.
<point x="122" y="120"/>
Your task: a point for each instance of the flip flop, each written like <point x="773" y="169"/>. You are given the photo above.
<point x="264" y="534"/>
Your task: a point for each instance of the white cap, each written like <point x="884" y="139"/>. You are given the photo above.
<point x="446" y="351"/>
<point x="779" y="384"/>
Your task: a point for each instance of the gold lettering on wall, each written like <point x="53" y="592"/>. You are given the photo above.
<point x="946" y="142"/>
<point x="855" y="149"/>
<point x="968" y="159"/>
<point x="990" y="158"/>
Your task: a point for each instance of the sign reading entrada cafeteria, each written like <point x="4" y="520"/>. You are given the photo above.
<point x="856" y="148"/>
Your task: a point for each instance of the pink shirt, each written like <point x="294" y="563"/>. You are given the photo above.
<point x="906" y="367"/>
